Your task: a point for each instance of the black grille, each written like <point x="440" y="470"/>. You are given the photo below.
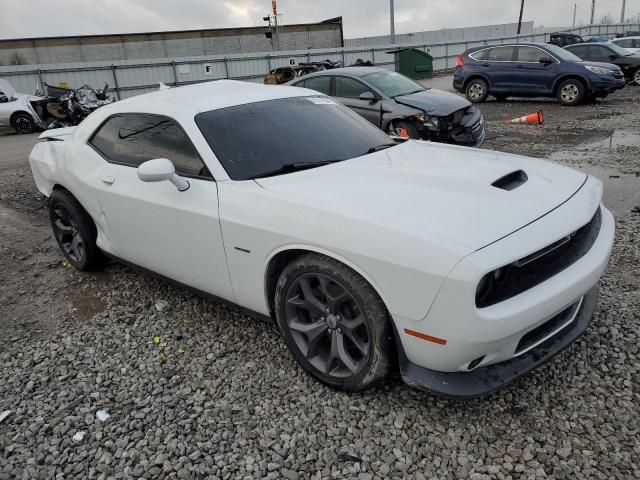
<point x="526" y="273"/>
<point x="546" y="329"/>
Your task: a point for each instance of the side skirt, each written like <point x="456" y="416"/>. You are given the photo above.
<point x="195" y="291"/>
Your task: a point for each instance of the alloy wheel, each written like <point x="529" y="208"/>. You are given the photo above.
<point x="636" y="77"/>
<point x="67" y="233"/>
<point x="476" y="91"/>
<point x="23" y="125"/>
<point x="327" y="325"/>
<point x="569" y="93"/>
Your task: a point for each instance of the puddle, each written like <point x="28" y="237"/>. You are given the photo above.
<point x="86" y="305"/>
<point x="619" y="138"/>
<point x="621" y="191"/>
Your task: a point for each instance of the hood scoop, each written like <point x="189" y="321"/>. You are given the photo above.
<point x="511" y="181"/>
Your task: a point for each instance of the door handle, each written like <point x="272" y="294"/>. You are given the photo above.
<point x="519" y="66"/>
<point x="108" y="180"/>
<point x="485" y="65"/>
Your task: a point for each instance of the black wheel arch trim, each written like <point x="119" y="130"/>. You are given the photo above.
<point x="569" y="76"/>
<point x="476" y="76"/>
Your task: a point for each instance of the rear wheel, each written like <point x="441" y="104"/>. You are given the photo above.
<point x="74" y="231"/>
<point x="477" y="90"/>
<point x="334" y="323"/>
<point x="23" y="123"/>
<point x="636" y="76"/>
<point x="571" y="92"/>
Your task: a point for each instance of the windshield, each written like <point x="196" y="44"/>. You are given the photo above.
<point x="618" y="50"/>
<point x="563" y="54"/>
<point x="254" y="139"/>
<point x="393" y="84"/>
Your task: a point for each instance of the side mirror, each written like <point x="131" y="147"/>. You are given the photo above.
<point x="613" y="57"/>
<point x="159" y="170"/>
<point x="545" y="61"/>
<point x="369" y="96"/>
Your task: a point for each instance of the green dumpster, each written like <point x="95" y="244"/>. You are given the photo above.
<point x="413" y="63"/>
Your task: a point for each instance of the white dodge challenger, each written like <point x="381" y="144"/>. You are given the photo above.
<point x="464" y="268"/>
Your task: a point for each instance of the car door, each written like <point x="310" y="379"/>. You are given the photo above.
<point x="347" y="91"/>
<point x="498" y="67"/>
<point x="534" y="70"/>
<point x="153" y="225"/>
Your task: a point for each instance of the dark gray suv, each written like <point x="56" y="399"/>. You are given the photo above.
<point x="395" y="103"/>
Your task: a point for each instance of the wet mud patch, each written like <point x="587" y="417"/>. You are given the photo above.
<point x="86" y="304"/>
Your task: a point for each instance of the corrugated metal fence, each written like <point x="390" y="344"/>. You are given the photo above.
<point x="133" y="77"/>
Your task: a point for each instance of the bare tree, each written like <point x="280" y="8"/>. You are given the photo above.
<point x="17" y="59"/>
<point x="606" y="19"/>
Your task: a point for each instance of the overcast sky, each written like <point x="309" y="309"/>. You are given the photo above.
<point x="39" y="18"/>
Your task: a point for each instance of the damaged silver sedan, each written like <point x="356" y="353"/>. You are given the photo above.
<point x="399" y="106"/>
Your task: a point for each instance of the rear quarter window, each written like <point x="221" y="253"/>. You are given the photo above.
<point x="481" y="55"/>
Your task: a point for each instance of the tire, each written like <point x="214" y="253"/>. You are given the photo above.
<point x="351" y="347"/>
<point x="74" y="231"/>
<point x="23" y="123"/>
<point x="477" y="90"/>
<point x="571" y="92"/>
<point x="396" y="126"/>
<point x="636" y="76"/>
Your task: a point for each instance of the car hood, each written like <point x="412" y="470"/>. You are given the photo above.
<point x="434" y="191"/>
<point x="434" y="102"/>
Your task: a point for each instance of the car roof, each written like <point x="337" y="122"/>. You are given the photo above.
<point x="521" y="44"/>
<point x="588" y="43"/>
<point x="625" y="38"/>
<point x="203" y="97"/>
<point x="349" y="71"/>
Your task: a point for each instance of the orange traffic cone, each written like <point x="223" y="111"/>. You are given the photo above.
<point x="531" y="119"/>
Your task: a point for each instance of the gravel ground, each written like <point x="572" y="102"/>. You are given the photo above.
<point x="198" y="390"/>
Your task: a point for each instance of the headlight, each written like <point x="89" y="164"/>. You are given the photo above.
<point x="600" y="70"/>
<point x="431" y="122"/>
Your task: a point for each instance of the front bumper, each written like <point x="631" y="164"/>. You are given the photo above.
<point x="489" y="379"/>
<point x="607" y="84"/>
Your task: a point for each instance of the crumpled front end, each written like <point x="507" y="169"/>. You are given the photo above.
<point x="463" y="127"/>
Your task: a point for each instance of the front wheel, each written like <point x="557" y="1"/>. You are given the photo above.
<point x="477" y="90"/>
<point x="571" y="92"/>
<point x="23" y="123"/>
<point x="396" y="127"/>
<point x="334" y="323"/>
<point x="636" y="76"/>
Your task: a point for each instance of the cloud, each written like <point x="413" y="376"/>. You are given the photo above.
<point x="37" y="18"/>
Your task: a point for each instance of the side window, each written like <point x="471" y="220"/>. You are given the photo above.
<point x="3" y="98"/>
<point x="501" y="54"/>
<point x="350" y="88"/>
<point x="481" y="55"/>
<point x="319" y="84"/>
<point x="597" y="52"/>
<point x="133" y="139"/>
<point x="579" y="51"/>
<point x="531" y="54"/>
<point x="624" y="43"/>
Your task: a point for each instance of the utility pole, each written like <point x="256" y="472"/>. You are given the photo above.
<point x="575" y="7"/>
<point x="593" y="11"/>
<point x="624" y="4"/>
<point x="393" y="22"/>
<point x="520" y="19"/>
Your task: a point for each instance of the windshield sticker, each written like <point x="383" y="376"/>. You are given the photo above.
<point x="321" y="100"/>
